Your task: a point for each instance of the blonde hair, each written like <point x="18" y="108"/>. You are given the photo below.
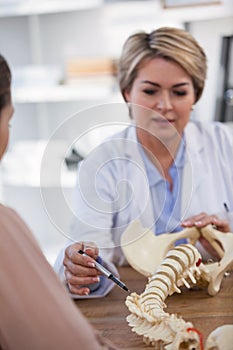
<point x="169" y="43"/>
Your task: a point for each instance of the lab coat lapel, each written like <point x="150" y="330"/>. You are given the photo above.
<point x="195" y="172"/>
<point x="144" y="207"/>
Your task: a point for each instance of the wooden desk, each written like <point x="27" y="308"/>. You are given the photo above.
<point x="108" y="314"/>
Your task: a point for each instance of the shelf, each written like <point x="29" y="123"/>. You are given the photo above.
<point x="121" y="14"/>
<point x="33" y="7"/>
<point x="21" y="167"/>
<point x="63" y="93"/>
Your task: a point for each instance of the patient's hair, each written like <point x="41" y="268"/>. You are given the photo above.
<point x="5" y="83"/>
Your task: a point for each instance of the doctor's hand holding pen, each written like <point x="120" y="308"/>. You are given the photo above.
<point x="80" y="269"/>
<point x="83" y="268"/>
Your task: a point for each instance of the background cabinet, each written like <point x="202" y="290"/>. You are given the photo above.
<point x="39" y="38"/>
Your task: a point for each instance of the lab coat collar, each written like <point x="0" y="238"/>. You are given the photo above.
<point x="192" y="138"/>
<point x="195" y="171"/>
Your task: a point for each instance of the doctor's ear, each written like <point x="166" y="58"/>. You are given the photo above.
<point x="127" y="95"/>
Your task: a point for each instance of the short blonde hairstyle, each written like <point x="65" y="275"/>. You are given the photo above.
<point x="169" y="43"/>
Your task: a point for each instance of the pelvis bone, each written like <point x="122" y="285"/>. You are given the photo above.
<point x="144" y="251"/>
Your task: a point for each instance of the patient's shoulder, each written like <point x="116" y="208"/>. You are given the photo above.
<point x="7" y="212"/>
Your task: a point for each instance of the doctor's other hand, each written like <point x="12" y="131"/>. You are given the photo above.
<point x="203" y="219"/>
<point x="80" y="270"/>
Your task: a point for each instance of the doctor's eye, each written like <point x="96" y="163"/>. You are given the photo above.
<point x="149" y="91"/>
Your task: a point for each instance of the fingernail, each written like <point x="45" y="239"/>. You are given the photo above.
<point x="197" y="223"/>
<point x="91" y="264"/>
<point x="86" y="293"/>
<point x="186" y="222"/>
<point x="96" y="279"/>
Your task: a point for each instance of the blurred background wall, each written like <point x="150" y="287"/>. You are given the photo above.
<point x="63" y="55"/>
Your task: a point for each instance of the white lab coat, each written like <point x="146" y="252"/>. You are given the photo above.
<point x="207" y="184"/>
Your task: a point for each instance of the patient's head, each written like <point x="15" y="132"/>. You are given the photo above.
<point x="6" y="108"/>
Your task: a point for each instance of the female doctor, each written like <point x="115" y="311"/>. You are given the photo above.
<point x="164" y="170"/>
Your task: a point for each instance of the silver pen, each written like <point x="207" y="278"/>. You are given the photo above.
<point x="107" y="273"/>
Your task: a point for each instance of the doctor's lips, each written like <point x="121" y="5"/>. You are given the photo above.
<point x="164" y="120"/>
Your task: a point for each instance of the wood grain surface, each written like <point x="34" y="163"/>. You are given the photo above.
<point x="108" y="314"/>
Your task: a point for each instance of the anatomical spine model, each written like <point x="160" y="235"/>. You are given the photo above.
<point x="168" y="268"/>
<point x="162" y="330"/>
<point x="137" y="241"/>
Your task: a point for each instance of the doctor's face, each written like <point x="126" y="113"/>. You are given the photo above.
<point x="167" y="94"/>
<point x="5" y="116"/>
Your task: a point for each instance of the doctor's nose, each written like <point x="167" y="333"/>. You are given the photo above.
<point x="163" y="104"/>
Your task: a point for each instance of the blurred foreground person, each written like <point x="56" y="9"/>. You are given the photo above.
<point x="36" y="312"/>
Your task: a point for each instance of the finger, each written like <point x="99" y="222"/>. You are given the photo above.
<point x="222" y="225"/>
<point x="91" y="249"/>
<point x="78" y="290"/>
<point x="206" y="220"/>
<point x="191" y="220"/>
<point x="78" y="281"/>
<point x="72" y="253"/>
<point x="202" y="220"/>
<point x="78" y="269"/>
